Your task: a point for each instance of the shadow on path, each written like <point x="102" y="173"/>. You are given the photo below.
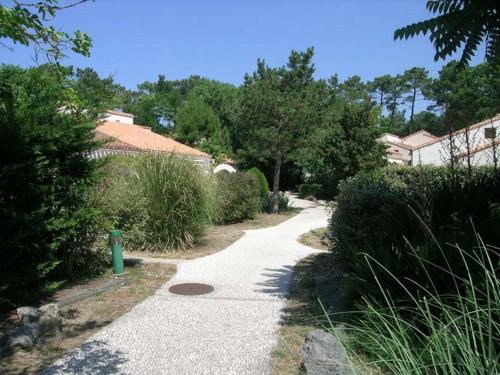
<point x="94" y="357"/>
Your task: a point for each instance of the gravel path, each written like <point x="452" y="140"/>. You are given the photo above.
<point x="229" y="331"/>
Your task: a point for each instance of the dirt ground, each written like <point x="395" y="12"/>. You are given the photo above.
<point x="82" y="319"/>
<point x="315" y="238"/>
<point x="219" y="237"/>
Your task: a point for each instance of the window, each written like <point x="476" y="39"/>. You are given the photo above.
<point x="490" y="133"/>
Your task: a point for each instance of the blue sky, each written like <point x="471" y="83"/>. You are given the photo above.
<point x="221" y="39"/>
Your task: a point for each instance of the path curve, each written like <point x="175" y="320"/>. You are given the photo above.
<point x="229" y="331"/>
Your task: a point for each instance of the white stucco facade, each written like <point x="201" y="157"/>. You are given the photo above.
<point x="467" y="143"/>
<point x="475" y="143"/>
<point x="121" y="117"/>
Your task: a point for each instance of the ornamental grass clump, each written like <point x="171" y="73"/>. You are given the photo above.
<point x="178" y="201"/>
<point x="432" y="333"/>
<point x="160" y="202"/>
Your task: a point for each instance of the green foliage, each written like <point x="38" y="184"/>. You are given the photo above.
<point x="27" y="24"/>
<point x="311" y="190"/>
<point x="96" y="94"/>
<point x="345" y="145"/>
<point x="238" y="196"/>
<point x="197" y="124"/>
<point x="467" y="95"/>
<point x="218" y="145"/>
<point x="47" y="226"/>
<point x="278" y="107"/>
<point x="454" y="333"/>
<point x="459" y="25"/>
<point x="195" y="121"/>
<point x="161" y="202"/>
<point x="417" y="81"/>
<point x="263" y="185"/>
<point x="379" y="214"/>
<point x="283" y="202"/>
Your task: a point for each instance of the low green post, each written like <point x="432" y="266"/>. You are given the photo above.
<point x="115" y="238"/>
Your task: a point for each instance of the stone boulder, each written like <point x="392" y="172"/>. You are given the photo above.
<point x="22" y="337"/>
<point x="28" y="314"/>
<point x="323" y="355"/>
<point x="49" y="323"/>
<point x="38" y="325"/>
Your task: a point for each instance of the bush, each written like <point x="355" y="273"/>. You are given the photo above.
<point x="238" y="195"/>
<point x="261" y="178"/>
<point x="47" y="226"/>
<point x="379" y="213"/>
<point x="282" y="202"/>
<point x="263" y="185"/>
<point x="161" y="202"/>
<point x="310" y="189"/>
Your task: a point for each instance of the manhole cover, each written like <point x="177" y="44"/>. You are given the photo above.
<point x="191" y="289"/>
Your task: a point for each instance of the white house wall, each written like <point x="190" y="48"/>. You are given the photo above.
<point x="118" y="118"/>
<point x="438" y="153"/>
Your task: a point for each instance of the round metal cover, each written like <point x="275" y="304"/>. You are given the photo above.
<point x="191" y="289"/>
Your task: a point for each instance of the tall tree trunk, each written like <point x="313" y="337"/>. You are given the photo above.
<point x="393" y="109"/>
<point x="276" y="182"/>
<point x="381" y="99"/>
<point x="413" y="108"/>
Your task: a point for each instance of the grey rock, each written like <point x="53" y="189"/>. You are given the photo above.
<point x="22" y="337"/>
<point x="323" y="355"/>
<point x="28" y="314"/>
<point x="49" y="323"/>
<point x="50" y="310"/>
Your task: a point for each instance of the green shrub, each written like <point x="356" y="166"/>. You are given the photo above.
<point x="238" y="196"/>
<point x="453" y="333"/>
<point x="160" y="202"/>
<point x="47" y="224"/>
<point x="282" y="202"/>
<point x="379" y="213"/>
<point x="264" y="186"/>
<point x="310" y="190"/>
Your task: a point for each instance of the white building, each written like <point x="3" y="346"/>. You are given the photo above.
<point x="475" y="143"/>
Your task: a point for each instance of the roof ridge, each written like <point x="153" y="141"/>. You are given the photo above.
<point x="474" y="126"/>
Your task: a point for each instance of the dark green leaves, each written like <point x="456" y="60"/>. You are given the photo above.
<point x="459" y="24"/>
<point x="27" y="24"/>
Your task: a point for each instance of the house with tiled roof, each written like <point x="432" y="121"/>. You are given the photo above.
<point x="399" y="150"/>
<point x="121" y="136"/>
<point x="479" y="142"/>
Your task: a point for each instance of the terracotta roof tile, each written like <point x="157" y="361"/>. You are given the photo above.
<point x="138" y="138"/>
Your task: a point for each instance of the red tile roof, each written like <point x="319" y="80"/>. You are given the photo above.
<point x="138" y="138"/>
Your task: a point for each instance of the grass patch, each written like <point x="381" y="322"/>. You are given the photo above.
<point x="302" y="314"/>
<point x="81" y="320"/>
<point x="315" y="238"/>
<point x="219" y="237"/>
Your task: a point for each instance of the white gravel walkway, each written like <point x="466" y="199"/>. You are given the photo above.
<point x="229" y="331"/>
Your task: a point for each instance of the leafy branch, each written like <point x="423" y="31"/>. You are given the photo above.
<point x="27" y="24"/>
<point x="459" y="24"/>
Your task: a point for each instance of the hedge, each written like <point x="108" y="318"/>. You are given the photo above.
<point x="393" y="218"/>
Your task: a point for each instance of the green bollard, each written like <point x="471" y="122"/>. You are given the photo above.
<point x="115" y="238"/>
